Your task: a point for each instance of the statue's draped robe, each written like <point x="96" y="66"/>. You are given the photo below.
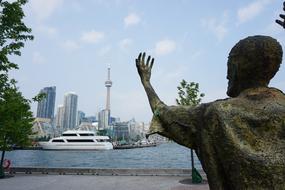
<point x="239" y="141"/>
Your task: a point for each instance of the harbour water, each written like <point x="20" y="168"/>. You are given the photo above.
<point x="167" y="155"/>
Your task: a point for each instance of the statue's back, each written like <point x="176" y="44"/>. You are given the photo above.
<point x="248" y="135"/>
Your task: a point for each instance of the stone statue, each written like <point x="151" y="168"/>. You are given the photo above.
<point x="240" y="141"/>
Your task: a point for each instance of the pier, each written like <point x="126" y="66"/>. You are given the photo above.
<point x="130" y="146"/>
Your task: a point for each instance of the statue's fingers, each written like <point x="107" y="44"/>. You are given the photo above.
<point x="137" y="63"/>
<point x="139" y="57"/>
<point x="147" y="61"/>
<point x="143" y="57"/>
<point x="138" y="66"/>
<point x="151" y="63"/>
<point x="282" y="16"/>
<point x="279" y="22"/>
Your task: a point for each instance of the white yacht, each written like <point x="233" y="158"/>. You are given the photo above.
<point x="78" y="140"/>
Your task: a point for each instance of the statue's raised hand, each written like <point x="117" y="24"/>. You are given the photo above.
<point x="282" y="16"/>
<point x="144" y="68"/>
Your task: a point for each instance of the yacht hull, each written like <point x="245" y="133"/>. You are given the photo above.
<point x="75" y="146"/>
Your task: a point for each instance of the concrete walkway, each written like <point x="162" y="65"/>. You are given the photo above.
<point x="89" y="182"/>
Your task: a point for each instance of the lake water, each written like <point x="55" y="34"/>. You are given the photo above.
<point x="167" y="155"/>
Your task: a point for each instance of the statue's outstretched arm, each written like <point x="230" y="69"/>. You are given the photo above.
<point x="144" y="70"/>
<point x="179" y="123"/>
<point x="282" y="16"/>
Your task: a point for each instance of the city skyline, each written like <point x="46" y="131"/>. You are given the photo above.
<point x="65" y="113"/>
<point x="76" y="41"/>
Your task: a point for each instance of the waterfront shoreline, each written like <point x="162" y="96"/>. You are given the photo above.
<point x="103" y="171"/>
<point x="130" y="146"/>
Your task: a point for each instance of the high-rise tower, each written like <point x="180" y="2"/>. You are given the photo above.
<point x="108" y="85"/>
<point x="70" y="111"/>
<point x="46" y="106"/>
<point x="59" y="118"/>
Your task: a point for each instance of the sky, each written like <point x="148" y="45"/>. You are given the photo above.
<point x="76" y="41"/>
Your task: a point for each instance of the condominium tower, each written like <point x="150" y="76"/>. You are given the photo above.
<point x="59" y="117"/>
<point x="46" y="106"/>
<point x="70" y="111"/>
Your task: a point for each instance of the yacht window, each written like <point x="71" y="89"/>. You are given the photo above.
<point x="102" y="140"/>
<point x="69" y="135"/>
<point x="57" y="140"/>
<point x="86" y="134"/>
<point x="80" y="140"/>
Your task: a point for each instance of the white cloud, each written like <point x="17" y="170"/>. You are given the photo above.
<point x="44" y="8"/>
<point x="218" y="27"/>
<point x="165" y="47"/>
<point x="250" y="11"/>
<point x="70" y="45"/>
<point x="125" y="44"/>
<point x="92" y="36"/>
<point x="197" y="54"/>
<point x="38" y="58"/>
<point x="76" y="6"/>
<point x="169" y="77"/>
<point x="86" y="37"/>
<point x="104" y="50"/>
<point x="131" y="19"/>
<point x="47" y="30"/>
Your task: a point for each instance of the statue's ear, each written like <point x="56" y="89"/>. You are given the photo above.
<point x="155" y="126"/>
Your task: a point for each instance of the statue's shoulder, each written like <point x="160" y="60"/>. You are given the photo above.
<point x="277" y="90"/>
<point x="262" y="93"/>
<point x="250" y="100"/>
<point x="218" y="103"/>
<point x="216" y="106"/>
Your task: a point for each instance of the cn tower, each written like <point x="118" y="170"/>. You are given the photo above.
<point x="108" y="85"/>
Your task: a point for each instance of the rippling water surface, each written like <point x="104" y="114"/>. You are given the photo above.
<point x="168" y="155"/>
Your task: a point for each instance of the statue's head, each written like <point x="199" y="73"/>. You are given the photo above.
<point x="253" y="62"/>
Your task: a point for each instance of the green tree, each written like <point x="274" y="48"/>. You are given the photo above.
<point x="189" y="95"/>
<point x="15" y="121"/>
<point x="16" y="117"/>
<point x="13" y="32"/>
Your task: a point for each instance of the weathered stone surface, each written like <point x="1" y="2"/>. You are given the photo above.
<point x="240" y="141"/>
<point x="247" y="146"/>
